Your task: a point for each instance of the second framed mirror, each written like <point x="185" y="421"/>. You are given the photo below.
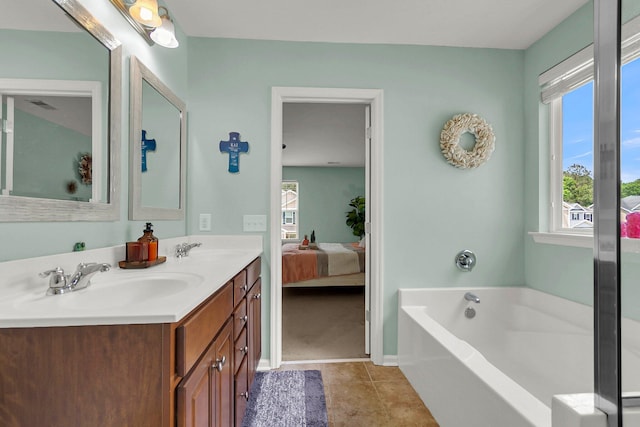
<point x="157" y="172"/>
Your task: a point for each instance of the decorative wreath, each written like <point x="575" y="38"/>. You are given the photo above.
<point x="450" y="136"/>
<point x="85" y="168"/>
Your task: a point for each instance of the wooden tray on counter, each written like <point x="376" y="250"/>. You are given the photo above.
<point x="141" y="264"/>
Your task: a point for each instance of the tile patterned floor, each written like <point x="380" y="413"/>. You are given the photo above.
<point x="363" y="394"/>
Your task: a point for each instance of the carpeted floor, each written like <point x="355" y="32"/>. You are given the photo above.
<point x="323" y="323"/>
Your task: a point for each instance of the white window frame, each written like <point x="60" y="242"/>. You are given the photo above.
<point x="296" y="214"/>
<point x="561" y="79"/>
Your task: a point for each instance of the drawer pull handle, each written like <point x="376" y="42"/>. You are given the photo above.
<point x="244" y="318"/>
<point x="244" y="349"/>
<point x="245" y="394"/>
<point x="257" y="296"/>
<point x="243" y="288"/>
<point x="219" y="363"/>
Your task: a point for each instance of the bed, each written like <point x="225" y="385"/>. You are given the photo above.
<point x="331" y="264"/>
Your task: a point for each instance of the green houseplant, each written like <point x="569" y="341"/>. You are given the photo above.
<point x="355" y="217"/>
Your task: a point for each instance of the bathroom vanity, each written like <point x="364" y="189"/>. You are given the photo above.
<point x="183" y="358"/>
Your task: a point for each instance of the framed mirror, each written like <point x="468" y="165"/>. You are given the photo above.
<point x="60" y="92"/>
<point x="158" y="142"/>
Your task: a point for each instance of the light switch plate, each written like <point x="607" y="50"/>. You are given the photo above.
<point x="205" y="222"/>
<point x="254" y="222"/>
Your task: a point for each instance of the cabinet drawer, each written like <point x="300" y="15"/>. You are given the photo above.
<point x="239" y="287"/>
<point x="239" y="318"/>
<point x="195" y="334"/>
<point x="242" y="392"/>
<point x="253" y="271"/>
<point x="241" y="350"/>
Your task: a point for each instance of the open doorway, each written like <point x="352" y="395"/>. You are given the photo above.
<point x="372" y="313"/>
<point x="324" y="187"/>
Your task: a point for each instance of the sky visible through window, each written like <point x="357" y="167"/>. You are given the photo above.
<point x="577" y="125"/>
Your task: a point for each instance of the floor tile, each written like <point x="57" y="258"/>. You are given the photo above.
<point x="344" y="372"/>
<point x="384" y="373"/>
<point x="403" y="405"/>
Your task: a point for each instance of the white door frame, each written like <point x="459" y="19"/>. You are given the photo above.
<point x="373" y="97"/>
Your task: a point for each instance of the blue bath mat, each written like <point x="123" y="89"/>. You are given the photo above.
<point x="286" y="399"/>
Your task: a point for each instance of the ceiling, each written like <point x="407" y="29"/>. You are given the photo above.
<point x="504" y="24"/>
<point x="329" y="135"/>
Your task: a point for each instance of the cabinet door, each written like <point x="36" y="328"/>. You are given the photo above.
<point x="194" y="408"/>
<point x="222" y="384"/>
<point x="254" y="300"/>
<point x="242" y="391"/>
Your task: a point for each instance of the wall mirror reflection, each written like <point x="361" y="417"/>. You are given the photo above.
<point x="52" y="144"/>
<point x="158" y="148"/>
<point x="60" y="104"/>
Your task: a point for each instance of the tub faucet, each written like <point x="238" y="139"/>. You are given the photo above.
<point x="465" y="260"/>
<point x="59" y="283"/>
<point x="183" y="249"/>
<point x="469" y="296"/>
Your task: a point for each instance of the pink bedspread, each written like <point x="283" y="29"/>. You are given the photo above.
<point x="330" y="259"/>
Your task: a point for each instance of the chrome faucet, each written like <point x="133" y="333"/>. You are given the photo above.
<point x="59" y="283"/>
<point x="183" y="249"/>
<point x="469" y="296"/>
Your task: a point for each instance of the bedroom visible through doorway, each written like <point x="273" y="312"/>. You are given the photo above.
<point x="324" y="173"/>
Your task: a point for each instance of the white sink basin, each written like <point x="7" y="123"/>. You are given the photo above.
<point x="115" y="291"/>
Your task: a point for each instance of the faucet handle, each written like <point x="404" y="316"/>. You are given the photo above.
<point x="102" y="267"/>
<point x="58" y="278"/>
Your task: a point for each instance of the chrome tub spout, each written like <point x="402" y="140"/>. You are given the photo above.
<point x="469" y="296"/>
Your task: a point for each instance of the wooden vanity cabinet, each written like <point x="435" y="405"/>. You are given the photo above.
<point x="182" y="374"/>
<point x="214" y="390"/>
<point x="247" y="323"/>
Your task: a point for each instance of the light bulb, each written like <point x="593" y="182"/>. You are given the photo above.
<point x="146" y="14"/>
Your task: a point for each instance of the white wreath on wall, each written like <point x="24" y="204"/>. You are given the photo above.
<point x="450" y="137"/>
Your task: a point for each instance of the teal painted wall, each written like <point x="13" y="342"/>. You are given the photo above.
<point x="324" y="195"/>
<point x="42" y="60"/>
<point x="431" y="209"/>
<point x="561" y="270"/>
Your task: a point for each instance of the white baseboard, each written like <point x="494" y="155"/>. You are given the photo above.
<point x="387" y="360"/>
<point x="390" y="360"/>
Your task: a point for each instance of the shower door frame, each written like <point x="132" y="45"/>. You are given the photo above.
<point x="606" y="250"/>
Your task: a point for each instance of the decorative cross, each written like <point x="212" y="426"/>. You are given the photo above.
<point x="147" y="145"/>
<point x="234" y="147"/>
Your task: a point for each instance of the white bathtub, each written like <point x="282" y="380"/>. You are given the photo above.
<point x="502" y="367"/>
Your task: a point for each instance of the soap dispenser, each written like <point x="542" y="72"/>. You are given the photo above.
<point x="151" y="241"/>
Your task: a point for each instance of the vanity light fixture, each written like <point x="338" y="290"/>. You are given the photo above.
<point x="146" y="13"/>
<point x="165" y="34"/>
<point x="151" y="21"/>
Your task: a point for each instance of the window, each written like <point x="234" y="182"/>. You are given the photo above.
<point x="568" y="88"/>
<point x="289" y="202"/>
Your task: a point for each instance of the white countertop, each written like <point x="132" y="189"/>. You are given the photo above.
<point x="112" y="298"/>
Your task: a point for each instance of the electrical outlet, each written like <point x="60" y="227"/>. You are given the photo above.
<point x="205" y="222"/>
<point x="254" y="222"/>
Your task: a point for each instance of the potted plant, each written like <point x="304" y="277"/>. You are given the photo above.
<point x="355" y="217"/>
